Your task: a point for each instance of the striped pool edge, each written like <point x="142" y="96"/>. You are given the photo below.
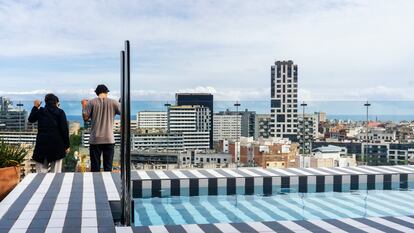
<point x="258" y="181"/>
<point x="356" y="225"/>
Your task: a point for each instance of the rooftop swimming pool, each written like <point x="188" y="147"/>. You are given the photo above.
<point x="284" y="206"/>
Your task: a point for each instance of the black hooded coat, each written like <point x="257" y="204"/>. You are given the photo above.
<point x="53" y="135"/>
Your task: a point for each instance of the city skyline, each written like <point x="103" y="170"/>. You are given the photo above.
<point x="346" y="50"/>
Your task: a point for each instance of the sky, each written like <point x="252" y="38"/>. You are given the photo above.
<point x="345" y="49"/>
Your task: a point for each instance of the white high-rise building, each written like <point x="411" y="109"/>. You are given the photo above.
<point x="117" y="125"/>
<point x="284" y="100"/>
<point x="152" y="120"/>
<point x="188" y="118"/>
<point x="193" y="122"/>
<point x="226" y="127"/>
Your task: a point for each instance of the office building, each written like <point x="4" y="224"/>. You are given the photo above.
<point x="16" y="137"/>
<point x="200" y="99"/>
<point x="399" y="154"/>
<point x="188" y="118"/>
<point x="284" y="100"/>
<point x="150" y="160"/>
<point x="377" y="135"/>
<point x="152" y="120"/>
<point x="158" y="141"/>
<point x="333" y="155"/>
<point x="193" y="122"/>
<point x="86" y="134"/>
<point x="117" y="125"/>
<point x="11" y="118"/>
<point x="227" y="127"/>
<point x="172" y="141"/>
<point x="248" y="120"/>
<point x="262" y="126"/>
<point x="320" y="117"/>
<point x="375" y="154"/>
<point x="5" y="104"/>
<point x="196" y="140"/>
<point x="271" y="152"/>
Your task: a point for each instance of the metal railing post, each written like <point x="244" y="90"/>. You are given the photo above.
<point x="126" y="136"/>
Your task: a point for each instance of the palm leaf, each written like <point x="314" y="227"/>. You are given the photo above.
<point x="11" y="155"/>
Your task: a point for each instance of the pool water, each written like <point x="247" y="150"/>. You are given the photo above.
<point x="288" y="206"/>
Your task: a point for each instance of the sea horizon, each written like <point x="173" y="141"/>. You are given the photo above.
<point x="395" y="111"/>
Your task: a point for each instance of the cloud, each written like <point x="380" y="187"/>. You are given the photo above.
<point x="342" y="47"/>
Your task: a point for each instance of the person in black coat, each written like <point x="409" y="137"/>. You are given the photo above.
<point x="52" y="141"/>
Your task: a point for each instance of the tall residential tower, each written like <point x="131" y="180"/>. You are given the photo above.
<point x="284" y="100"/>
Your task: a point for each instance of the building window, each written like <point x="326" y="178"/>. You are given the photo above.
<point x="280" y="118"/>
<point x="275" y="103"/>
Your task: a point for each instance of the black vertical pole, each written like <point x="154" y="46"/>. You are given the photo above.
<point x="122" y="99"/>
<point x="126" y="135"/>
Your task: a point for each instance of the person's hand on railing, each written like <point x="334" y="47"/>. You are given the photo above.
<point x="37" y="103"/>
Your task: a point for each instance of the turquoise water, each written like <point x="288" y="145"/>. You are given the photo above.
<point x="289" y="206"/>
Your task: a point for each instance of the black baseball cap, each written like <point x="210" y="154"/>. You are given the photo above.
<point x="101" y="89"/>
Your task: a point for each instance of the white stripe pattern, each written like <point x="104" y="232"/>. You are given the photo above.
<point x="197" y="174"/>
<point x="360" y="225"/>
<point x="317" y="171"/>
<point x="143" y="175"/>
<point x="283" y="171"/>
<point x="364" y="170"/>
<point x="333" y="171"/>
<point x="34" y="203"/>
<point x="260" y="227"/>
<point x="214" y="173"/>
<point x="111" y="191"/>
<point x="225" y="227"/>
<point x="88" y="203"/>
<point x="192" y="228"/>
<point x="267" y="172"/>
<point x="391" y="224"/>
<point x="348" y="171"/>
<point x="300" y="171"/>
<point x="327" y="226"/>
<point x="293" y="226"/>
<point x="57" y="219"/>
<point x="250" y="173"/>
<point x="232" y="173"/>
<point x="6" y="203"/>
<point x="179" y="174"/>
<point x="161" y="174"/>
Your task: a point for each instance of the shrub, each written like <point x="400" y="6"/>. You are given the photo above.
<point x="11" y="155"/>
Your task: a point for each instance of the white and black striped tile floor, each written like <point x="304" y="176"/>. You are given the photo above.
<point x="357" y="225"/>
<point x="64" y="202"/>
<point x="76" y="202"/>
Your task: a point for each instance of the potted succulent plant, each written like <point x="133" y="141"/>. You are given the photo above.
<point x="11" y="156"/>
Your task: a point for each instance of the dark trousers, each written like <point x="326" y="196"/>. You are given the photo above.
<point x="95" y="152"/>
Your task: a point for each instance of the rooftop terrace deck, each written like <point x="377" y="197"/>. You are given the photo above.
<point x="80" y="202"/>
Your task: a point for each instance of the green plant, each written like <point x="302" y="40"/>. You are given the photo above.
<point x="11" y="155"/>
<point x="70" y="161"/>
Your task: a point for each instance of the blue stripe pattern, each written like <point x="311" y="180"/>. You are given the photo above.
<point x="254" y="208"/>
